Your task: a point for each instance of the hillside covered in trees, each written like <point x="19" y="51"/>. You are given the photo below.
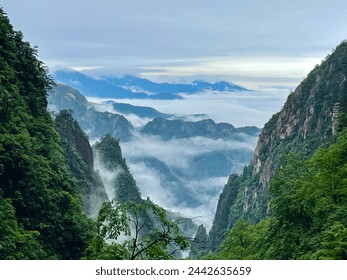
<point x="40" y="207"/>
<point x="308" y="217"/>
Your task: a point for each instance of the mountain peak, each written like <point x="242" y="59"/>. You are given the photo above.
<point x="134" y="87"/>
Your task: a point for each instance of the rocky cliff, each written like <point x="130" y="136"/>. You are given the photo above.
<point x="306" y="121"/>
<point x="199" y="245"/>
<point x="79" y="157"/>
<point x="115" y="174"/>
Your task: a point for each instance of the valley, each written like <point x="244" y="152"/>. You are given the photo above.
<point x="97" y="164"/>
<point x="180" y="161"/>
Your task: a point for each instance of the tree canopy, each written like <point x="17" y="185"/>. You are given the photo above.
<point x="129" y="230"/>
<point x="309" y="211"/>
<point x="38" y="198"/>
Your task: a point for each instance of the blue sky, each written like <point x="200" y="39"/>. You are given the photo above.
<point x="256" y="43"/>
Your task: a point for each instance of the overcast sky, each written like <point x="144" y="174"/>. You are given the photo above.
<point x="252" y="42"/>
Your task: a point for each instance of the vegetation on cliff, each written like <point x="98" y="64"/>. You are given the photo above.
<point x="311" y="119"/>
<point x="290" y="203"/>
<point x="40" y="207"/>
<point x="80" y="160"/>
<point x="309" y="211"/>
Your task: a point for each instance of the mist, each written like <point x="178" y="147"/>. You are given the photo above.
<point x="246" y="108"/>
<point x="175" y="180"/>
<point x="187" y="175"/>
<point x="108" y="177"/>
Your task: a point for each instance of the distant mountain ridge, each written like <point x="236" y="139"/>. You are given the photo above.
<point x="140" y="111"/>
<point x="170" y="129"/>
<point x="167" y="126"/>
<point x="137" y="88"/>
<point x="215" y="158"/>
<point x="95" y="123"/>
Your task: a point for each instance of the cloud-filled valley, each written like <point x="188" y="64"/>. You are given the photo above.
<point x="185" y="175"/>
<point x="182" y="151"/>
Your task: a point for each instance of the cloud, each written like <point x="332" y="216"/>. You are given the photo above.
<point x="236" y="108"/>
<point x="207" y="192"/>
<point x="153" y="38"/>
<point x="85" y="68"/>
<point x="151" y="185"/>
<point x="169" y="179"/>
<point x="240" y="69"/>
<point x="135" y="120"/>
<point x="177" y="154"/>
<point x="108" y="177"/>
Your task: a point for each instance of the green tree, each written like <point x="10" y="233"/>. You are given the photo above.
<point x="309" y="206"/>
<point x="146" y="231"/>
<point x="239" y="242"/>
<point x="35" y="182"/>
<point x="244" y="241"/>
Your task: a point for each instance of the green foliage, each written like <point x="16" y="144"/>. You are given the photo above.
<point x="220" y="224"/>
<point x="309" y="211"/>
<point x="239" y="242"/>
<point x="39" y="200"/>
<point x="309" y="206"/>
<point x="290" y="213"/>
<point x="231" y="205"/>
<point x="243" y="241"/>
<point x="309" y="119"/>
<point x="16" y="243"/>
<point x="130" y="230"/>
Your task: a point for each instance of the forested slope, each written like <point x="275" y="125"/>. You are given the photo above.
<point x="309" y="211"/>
<point x="40" y="207"/>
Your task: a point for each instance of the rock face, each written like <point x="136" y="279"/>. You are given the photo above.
<point x="199" y="245"/>
<point x="307" y="120"/>
<point x="79" y="157"/>
<point x="115" y="174"/>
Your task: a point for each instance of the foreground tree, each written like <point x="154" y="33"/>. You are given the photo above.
<point x="135" y="231"/>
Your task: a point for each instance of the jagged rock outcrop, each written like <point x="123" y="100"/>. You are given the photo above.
<point x="115" y="174"/>
<point x="79" y="157"/>
<point x="306" y="121"/>
<point x="308" y="118"/>
<point x="199" y="245"/>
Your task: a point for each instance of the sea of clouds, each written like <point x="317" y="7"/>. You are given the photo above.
<point x="237" y="108"/>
